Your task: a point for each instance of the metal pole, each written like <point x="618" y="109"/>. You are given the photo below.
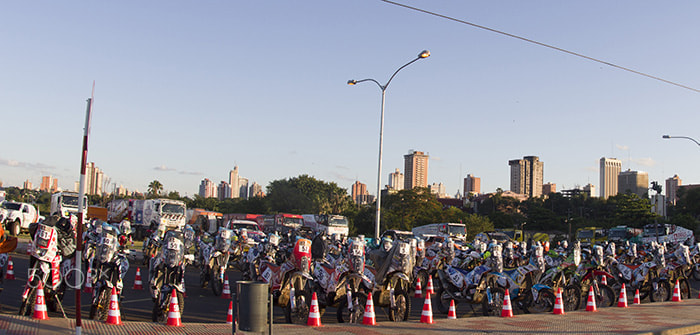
<point x="379" y="169"/>
<point x="81" y="212"/>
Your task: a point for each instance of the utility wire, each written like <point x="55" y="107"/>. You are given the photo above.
<point x="542" y="44"/>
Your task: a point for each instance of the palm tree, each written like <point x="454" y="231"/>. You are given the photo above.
<point x="155" y="187"/>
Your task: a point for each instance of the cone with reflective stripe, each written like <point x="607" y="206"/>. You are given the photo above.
<point x="226" y="292"/>
<point x="314" y="315"/>
<point x="452" y="313"/>
<point x="114" y="317"/>
<point x="604" y="280"/>
<point x="10" y="269"/>
<point x="677" y="292"/>
<point x="174" y="311"/>
<point x="636" y="301"/>
<point x="507" y="310"/>
<point x="622" y="302"/>
<point x="40" y="304"/>
<point x="426" y="316"/>
<point x="88" y="280"/>
<point x="229" y="315"/>
<point x="590" y="305"/>
<point x="430" y="288"/>
<point x="558" y="304"/>
<point x="369" y="318"/>
<point x="419" y="291"/>
<point x="138" y="284"/>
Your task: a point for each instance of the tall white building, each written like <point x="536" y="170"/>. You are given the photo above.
<point x="233" y="182"/>
<point x="396" y="180"/>
<point x="243" y="188"/>
<point x="439" y="190"/>
<point x="527" y="176"/>
<point x="207" y="189"/>
<point x="610" y="169"/>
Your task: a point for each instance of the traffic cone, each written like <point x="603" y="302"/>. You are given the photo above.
<point x="636" y="301"/>
<point x="314" y="316"/>
<point x="174" y="311"/>
<point x="10" y="269"/>
<point x="622" y="301"/>
<point x="88" y="281"/>
<point x="229" y="315"/>
<point x="40" y="304"/>
<point x="114" y="317"/>
<point x="507" y="310"/>
<point x="426" y="316"/>
<point x="590" y="305"/>
<point x="452" y="313"/>
<point x="430" y="288"/>
<point x="604" y="280"/>
<point x="368" y="318"/>
<point x="138" y="284"/>
<point x="558" y="304"/>
<point x="677" y="292"/>
<point x="419" y="291"/>
<point x="226" y="292"/>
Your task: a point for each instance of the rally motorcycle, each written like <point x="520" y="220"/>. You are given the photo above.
<point x="354" y="285"/>
<point x="560" y="276"/>
<point x="52" y="246"/>
<point x="392" y="281"/>
<point x="167" y="275"/>
<point x="213" y="268"/>
<point x="265" y="251"/>
<point x="291" y="282"/>
<point x="110" y="266"/>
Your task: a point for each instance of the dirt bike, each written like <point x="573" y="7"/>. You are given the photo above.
<point x="354" y="284"/>
<point x="392" y="282"/>
<point x="167" y="274"/>
<point x="214" y="267"/>
<point x="110" y="268"/>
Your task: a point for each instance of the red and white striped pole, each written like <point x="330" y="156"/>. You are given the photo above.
<point x="81" y="211"/>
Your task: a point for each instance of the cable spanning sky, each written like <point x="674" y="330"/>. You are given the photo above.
<point x="188" y="90"/>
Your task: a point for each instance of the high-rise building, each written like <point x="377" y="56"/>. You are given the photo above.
<point x="359" y="193"/>
<point x="207" y="189"/>
<point x="590" y="189"/>
<point x="415" y="170"/>
<point x="396" y="180"/>
<point x="549" y="188"/>
<point x="256" y="190"/>
<point x="438" y="189"/>
<point x="243" y="187"/>
<point x="27" y="185"/>
<point x="94" y="178"/>
<point x="472" y="185"/>
<point x="48" y="184"/>
<point x="233" y="182"/>
<point x="636" y="182"/>
<point x="672" y="185"/>
<point x="223" y="190"/>
<point x="526" y="176"/>
<point x="609" y="170"/>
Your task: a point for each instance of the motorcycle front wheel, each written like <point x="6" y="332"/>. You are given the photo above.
<point x="572" y="297"/>
<point x="493" y="306"/>
<point x="662" y="292"/>
<point x="217" y="285"/>
<point x="544" y="302"/>
<point x="100" y="306"/>
<point x="403" y="306"/>
<point x="302" y="299"/>
<point x="354" y="315"/>
<point x="160" y="308"/>
<point x="27" y="305"/>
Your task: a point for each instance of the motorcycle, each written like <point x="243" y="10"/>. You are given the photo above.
<point x="214" y="266"/>
<point x="392" y="282"/>
<point x="110" y="267"/>
<point x="354" y="285"/>
<point x="167" y="274"/>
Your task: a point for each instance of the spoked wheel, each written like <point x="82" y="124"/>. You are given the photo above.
<point x="403" y="306"/>
<point x="354" y="314"/>
<point x="160" y="308"/>
<point x="543" y="303"/>
<point x="685" y="288"/>
<point x="661" y="293"/>
<point x="443" y="301"/>
<point x="572" y="297"/>
<point x="217" y="284"/>
<point x="204" y="276"/>
<point x="604" y="296"/>
<point x="28" y="304"/>
<point x="302" y="298"/>
<point x="493" y="304"/>
<point x="100" y="306"/>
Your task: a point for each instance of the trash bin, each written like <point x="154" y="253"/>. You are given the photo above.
<point x="252" y="306"/>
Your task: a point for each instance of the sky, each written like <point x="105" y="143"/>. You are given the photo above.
<point x="186" y="90"/>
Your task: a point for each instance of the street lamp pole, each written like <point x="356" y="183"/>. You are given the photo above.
<point x="421" y="55"/>
<point x="666" y="137"/>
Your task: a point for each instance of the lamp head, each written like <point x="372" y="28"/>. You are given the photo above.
<point x="352" y="82"/>
<point x="424" y="54"/>
<point x="666" y="136"/>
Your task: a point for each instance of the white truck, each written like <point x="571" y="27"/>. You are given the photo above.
<point x="453" y="230"/>
<point x="64" y="203"/>
<point x="330" y="224"/>
<point x="666" y="233"/>
<point x="17" y="216"/>
<point x="149" y="214"/>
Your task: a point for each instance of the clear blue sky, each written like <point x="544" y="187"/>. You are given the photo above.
<point x="186" y="90"/>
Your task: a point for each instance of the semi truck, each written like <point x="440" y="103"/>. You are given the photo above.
<point x="65" y="203"/>
<point x="453" y="230"/>
<point x="330" y="224"/>
<point x="147" y="215"/>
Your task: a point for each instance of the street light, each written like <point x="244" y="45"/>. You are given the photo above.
<point x="685" y="137"/>
<point x="421" y="55"/>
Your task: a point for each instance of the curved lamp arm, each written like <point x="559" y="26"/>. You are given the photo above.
<point x="685" y="137"/>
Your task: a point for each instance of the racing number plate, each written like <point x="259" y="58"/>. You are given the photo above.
<point x="267" y="274"/>
<point x="304" y="246"/>
<point x="357" y="251"/>
<point x="172" y="245"/>
<point x="44" y="233"/>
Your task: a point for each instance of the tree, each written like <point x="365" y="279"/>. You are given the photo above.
<point x="154" y="189"/>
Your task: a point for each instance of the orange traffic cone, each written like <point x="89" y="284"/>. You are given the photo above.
<point x="590" y="305"/>
<point x="174" y="311"/>
<point x="40" y="304"/>
<point x="430" y="288"/>
<point x="426" y="316"/>
<point x="226" y="292"/>
<point x="138" y="284"/>
<point x="419" y="291"/>
<point x="88" y="280"/>
<point x="507" y="310"/>
<point x="452" y="313"/>
<point x="558" y="304"/>
<point x="10" y="269"/>
<point x="622" y="301"/>
<point x="314" y="315"/>
<point x="229" y="315"/>
<point x="368" y="318"/>
<point x="604" y="280"/>
<point x="114" y="317"/>
<point x="636" y="301"/>
<point x="677" y="292"/>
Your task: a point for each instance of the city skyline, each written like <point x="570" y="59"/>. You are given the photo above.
<point x="185" y="96"/>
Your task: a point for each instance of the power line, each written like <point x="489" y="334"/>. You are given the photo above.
<point x="543" y="45"/>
